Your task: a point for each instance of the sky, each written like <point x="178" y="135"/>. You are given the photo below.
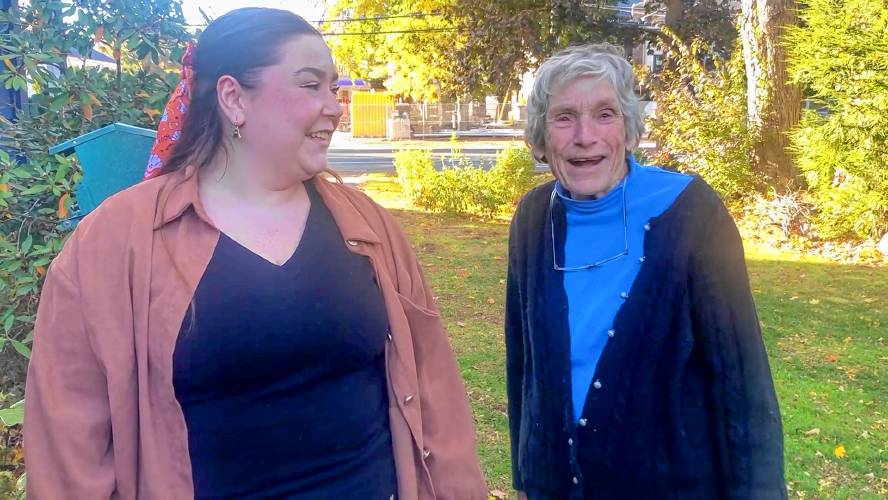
<point x="311" y="10"/>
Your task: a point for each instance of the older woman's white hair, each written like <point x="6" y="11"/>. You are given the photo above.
<point x="601" y="60"/>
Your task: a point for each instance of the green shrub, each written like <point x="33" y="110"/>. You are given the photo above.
<point x="12" y="487"/>
<point x="512" y="174"/>
<point x="36" y="188"/>
<point x="415" y="168"/>
<point x="840" y="54"/>
<point x="461" y="187"/>
<point x="700" y="124"/>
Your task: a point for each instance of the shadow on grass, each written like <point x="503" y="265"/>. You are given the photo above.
<point x="824" y="326"/>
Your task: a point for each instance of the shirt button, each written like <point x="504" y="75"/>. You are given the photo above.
<point x="641" y="259"/>
<point x="389" y="335"/>
<point x="352" y="243"/>
<point x="408" y="399"/>
<point x="570" y="442"/>
<point x="647" y="227"/>
<point x="597" y="384"/>
<point x="611" y="333"/>
<point x="624" y="295"/>
<point x="583" y="422"/>
<point x="576" y="480"/>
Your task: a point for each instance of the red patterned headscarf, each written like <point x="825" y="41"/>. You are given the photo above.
<point x="170" y="128"/>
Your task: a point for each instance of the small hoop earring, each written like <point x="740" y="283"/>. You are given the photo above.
<point x="237" y="132"/>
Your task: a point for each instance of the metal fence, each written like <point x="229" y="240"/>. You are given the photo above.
<point x="437" y="118"/>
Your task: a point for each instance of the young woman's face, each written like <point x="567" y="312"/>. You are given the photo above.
<point x="291" y="114"/>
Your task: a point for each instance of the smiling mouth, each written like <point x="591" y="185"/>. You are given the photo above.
<point x="321" y="135"/>
<point x="586" y="161"/>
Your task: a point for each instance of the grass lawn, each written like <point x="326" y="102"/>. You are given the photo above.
<point x="824" y="326"/>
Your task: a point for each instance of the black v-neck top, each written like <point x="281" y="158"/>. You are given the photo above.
<point x="281" y="376"/>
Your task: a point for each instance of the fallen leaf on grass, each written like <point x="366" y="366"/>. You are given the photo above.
<point x="839" y="452"/>
<point x="812" y="432"/>
<point x="831" y="358"/>
<point x="491" y="301"/>
<point x="498" y="495"/>
<point x="461" y="324"/>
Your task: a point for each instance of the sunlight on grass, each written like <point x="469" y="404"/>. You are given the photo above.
<point x="824" y="326"/>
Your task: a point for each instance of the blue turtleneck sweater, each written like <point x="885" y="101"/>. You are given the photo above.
<point x="595" y="232"/>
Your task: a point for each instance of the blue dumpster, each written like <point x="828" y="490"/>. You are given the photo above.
<point x="112" y="158"/>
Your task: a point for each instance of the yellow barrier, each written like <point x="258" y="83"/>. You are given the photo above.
<point x="369" y="111"/>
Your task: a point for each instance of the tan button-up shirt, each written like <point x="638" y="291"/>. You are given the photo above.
<point x="101" y="415"/>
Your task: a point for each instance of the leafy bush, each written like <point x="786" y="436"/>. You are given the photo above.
<point x="461" y="187"/>
<point x="415" y="168"/>
<point x="512" y="173"/>
<point x="840" y="53"/>
<point x="36" y="188"/>
<point x="700" y="124"/>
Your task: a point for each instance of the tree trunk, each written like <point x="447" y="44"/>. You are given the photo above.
<point x="773" y="104"/>
<point x="674" y="14"/>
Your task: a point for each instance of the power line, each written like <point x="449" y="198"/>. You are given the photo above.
<point x="358" y="33"/>
<point x="377" y="18"/>
<point x="411" y="15"/>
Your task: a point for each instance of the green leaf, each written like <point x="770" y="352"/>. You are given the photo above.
<point x="21" y="348"/>
<point x="20" y="173"/>
<point x="14" y="415"/>
<point x="34" y="190"/>
<point x="7" y="325"/>
<point x="27" y="244"/>
<point x="58" y="103"/>
<point x="18" y="83"/>
<point x="12" y="265"/>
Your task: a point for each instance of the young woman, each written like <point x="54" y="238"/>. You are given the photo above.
<point x="239" y="326"/>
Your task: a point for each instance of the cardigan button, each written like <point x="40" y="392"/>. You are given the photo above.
<point x="570" y="442"/>
<point x="389" y="335"/>
<point x="408" y="399"/>
<point x="641" y="259"/>
<point x="426" y="453"/>
<point x="647" y="227"/>
<point x="583" y="422"/>
<point x="352" y="243"/>
<point x="611" y="333"/>
<point x="624" y="295"/>
<point x="576" y="480"/>
<point x="597" y="384"/>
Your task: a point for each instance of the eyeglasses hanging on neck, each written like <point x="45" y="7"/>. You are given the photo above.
<point x="599" y="263"/>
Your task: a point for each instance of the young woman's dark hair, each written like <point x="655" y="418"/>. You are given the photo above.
<point x="239" y="44"/>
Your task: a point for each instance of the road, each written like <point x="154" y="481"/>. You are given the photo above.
<point x="382" y="159"/>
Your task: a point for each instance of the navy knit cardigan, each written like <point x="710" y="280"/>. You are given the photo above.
<point x="686" y="407"/>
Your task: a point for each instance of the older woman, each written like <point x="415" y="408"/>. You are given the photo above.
<point x="239" y="326"/>
<point x="636" y="366"/>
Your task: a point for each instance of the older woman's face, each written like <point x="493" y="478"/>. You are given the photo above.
<point x="586" y="137"/>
